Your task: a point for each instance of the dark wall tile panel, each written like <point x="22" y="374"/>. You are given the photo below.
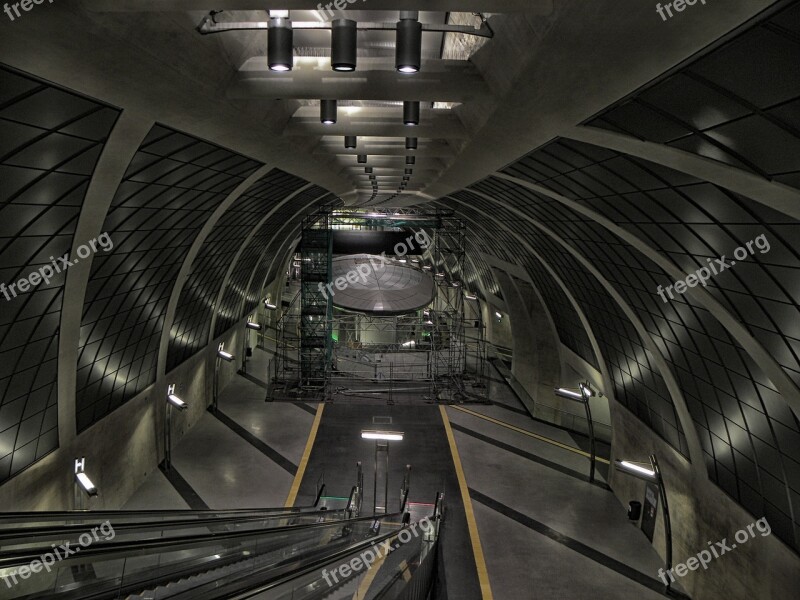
<point x="191" y="328"/>
<point x="173" y="185"/>
<point x="235" y="303"/>
<point x="693" y="223"/>
<point x="739" y="104"/>
<point x="50" y="142"/>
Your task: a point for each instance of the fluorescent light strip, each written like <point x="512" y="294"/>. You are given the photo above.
<point x="389" y="436"/>
<point x="86" y="483"/>
<point x="638" y="469"/>
<point x="176" y="402"/>
<point x="569" y="394"/>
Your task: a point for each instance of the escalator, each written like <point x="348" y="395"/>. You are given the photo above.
<point x="250" y="553"/>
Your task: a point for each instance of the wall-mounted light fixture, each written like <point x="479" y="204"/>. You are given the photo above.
<point x="582" y="396"/>
<point x="652" y="474"/>
<point x="172" y="401"/>
<point x="221" y="355"/>
<point x="82" y="479"/>
<point x="246" y="348"/>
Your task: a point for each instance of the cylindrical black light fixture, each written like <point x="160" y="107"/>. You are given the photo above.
<point x="411" y="113"/>
<point x="328" y="111"/>
<point x="344" y="45"/>
<point x="280" y="44"/>
<point x="408" y="57"/>
<point x="362" y="159"/>
<point x="368" y="170"/>
<point x="409" y="171"/>
<point x="411" y="160"/>
<point x="350" y="141"/>
<point x="411" y="143"/>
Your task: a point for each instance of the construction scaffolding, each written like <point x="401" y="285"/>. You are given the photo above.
<point x="425" y="355"/>
<point x="316" y="308"/>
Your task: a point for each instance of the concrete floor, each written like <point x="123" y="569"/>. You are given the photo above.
<point x="546" y="532"/>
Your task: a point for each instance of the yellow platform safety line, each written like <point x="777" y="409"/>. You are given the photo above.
<point x="298" y="478"/>
<point x="370" y="575"/>
<point x="531" y="434"/>
<point x="477" y="549"/>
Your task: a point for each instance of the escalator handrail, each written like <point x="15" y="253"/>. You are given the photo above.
<point x="64" y="530"/>
<point x="306" y="567"/>
<point x="319" y="495"/>
<point x="146" y="580"/>
<point x="128" y="514"/>
<point x="108" y="549"/>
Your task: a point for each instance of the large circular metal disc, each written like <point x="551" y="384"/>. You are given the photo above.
<point x="380" y="285"/>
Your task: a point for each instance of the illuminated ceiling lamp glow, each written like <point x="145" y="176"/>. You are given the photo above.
<point x="344" y="45"/>
<point x="328" y="111"/>
<point x="280" y="44"/>
<point x="408" y="55"/>
<point x="411" y="112"/>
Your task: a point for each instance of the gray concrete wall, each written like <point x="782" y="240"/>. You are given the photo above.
<point x="497" y="332"/>
<point x="763" y="567"/>
<point x="122" y="449"/>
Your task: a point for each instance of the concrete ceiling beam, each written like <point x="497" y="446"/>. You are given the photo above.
<point x="439" y="81"/>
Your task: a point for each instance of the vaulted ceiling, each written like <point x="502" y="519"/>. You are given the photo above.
<point x="592" y="147"/>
